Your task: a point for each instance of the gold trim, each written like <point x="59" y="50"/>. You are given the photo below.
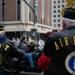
<point x="65" y="9"/>
<point x="71" y="11"/>
<point x="2" y="28"/>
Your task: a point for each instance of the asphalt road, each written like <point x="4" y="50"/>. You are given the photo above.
<point x="29" y="73"/>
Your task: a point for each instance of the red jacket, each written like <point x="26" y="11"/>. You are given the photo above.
<point x="43" y="62"/>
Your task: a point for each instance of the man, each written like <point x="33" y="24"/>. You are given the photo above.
<point x="24" y="46"/>
<point x="43" y="61"/>
<point x="40" y="45"/>
<point x="7" y="51"/>
<point x="60" y="46"/>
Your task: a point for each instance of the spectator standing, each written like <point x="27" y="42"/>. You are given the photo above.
<point x="40" y="45"/>
<point x="7" y="51"/>
<point x="44" y="60"/>
<point x="60" y="46"/>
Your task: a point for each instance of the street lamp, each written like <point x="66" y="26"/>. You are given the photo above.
<point x="35" y="17"/>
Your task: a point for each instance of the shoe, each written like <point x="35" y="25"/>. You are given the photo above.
<point x="34" y="68"/>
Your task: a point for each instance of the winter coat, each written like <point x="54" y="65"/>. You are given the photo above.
<point x="8" y="51"/>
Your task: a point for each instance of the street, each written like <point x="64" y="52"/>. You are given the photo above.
<point x="29" y="73"/>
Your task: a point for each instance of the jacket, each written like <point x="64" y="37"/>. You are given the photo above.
<point x="23" y="46"/>
<point x="60" y="46"/>
<point x="8" y="51"/>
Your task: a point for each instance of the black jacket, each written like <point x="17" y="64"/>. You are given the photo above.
<point x="60" y="46"/>
<point x="8" y="51"/>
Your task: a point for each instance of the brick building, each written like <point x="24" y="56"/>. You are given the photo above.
<point x="18" y="18"/>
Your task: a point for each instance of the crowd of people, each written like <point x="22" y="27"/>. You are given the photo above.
<point x="28" y="48"/>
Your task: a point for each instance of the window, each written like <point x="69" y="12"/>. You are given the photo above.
<point x="54" y="25"/>
<point x="62" y="5"/>
<point x="54" y="11"/>
<point x="3" y="3"/>
<point x="58" y="11"/>
<point x="54" y="2"/>
<point x="58" y="6"/>
<point x="42" y="13"/>
<point x="3" y="10"/>
<point x="37" y="13"/>
<point x="58" y="15"/>
<point x="54" y="20"/>
<point x="30" y="11"/>
<point x="29" y="16"/>
<point x="18" y="9"/>
<point x="58" y="1"/>
<point x="54" y="15"/>
<point x="58" y="20"/>
<point x="58" y="25"/>
<point x="42" y="21"/>
<point x="54" y="6"/>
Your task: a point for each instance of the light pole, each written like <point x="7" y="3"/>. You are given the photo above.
<point x="35" y="20"/>
<point x="35" y="17"/>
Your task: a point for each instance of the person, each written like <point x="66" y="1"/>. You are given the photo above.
<point x="60" y="46"/>
<point x="7" y="51"/>
<point x="17" y="42"/>
<point x="40" y="45"/>
<point x="14" y="40"/>
<point x="31" y="46"/>
<point x="24" y="46"/>
<point x="43" y="61"/>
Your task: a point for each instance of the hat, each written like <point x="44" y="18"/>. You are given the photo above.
<point x="30" y="41"/>
<point x="2" y="28"/>
<point x="48" y="33"/>
<point x="69" y="13"/>
<point x="23" y="38"/>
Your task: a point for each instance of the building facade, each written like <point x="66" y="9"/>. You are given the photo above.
<point x="57" y="6"/>
<point x="18" y="18"/>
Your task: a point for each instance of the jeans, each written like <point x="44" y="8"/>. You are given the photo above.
<point x="30" y="59"/>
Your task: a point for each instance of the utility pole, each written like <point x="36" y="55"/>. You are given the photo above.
<point x="35" y="18"/>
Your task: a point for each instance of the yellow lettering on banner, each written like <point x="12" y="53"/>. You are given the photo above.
<point x="7" y="46"/>
<point x="56" y="46"/>
<point x="61" y="43"/>
<point x="66" y="41"/>
<point x="74" y="39"/>
<point x="0" y="45"/>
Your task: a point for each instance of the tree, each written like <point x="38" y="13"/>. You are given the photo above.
<point x="70" y="3"/>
